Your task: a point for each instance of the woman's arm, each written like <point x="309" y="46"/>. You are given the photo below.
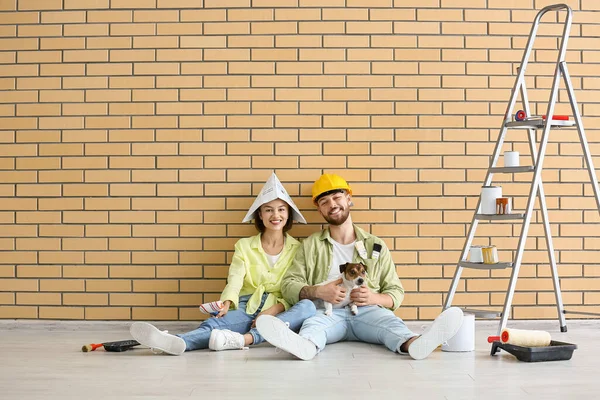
<point x="235" y="279"/>
<point x="223" y="311"/>
<point x="273" y="310"/>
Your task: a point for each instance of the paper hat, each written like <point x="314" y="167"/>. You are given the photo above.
<point x="272" y="190"/>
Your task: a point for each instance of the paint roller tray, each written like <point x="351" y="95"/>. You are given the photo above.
<point x="555" y="352"/>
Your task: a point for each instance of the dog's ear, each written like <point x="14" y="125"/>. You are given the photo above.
<point x="364" y="266"/>
<point x="343" y="268"/>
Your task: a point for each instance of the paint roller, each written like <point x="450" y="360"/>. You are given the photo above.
<point x="117" y="346"/>
<point x="522" y="337"/>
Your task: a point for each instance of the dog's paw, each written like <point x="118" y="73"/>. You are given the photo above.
<point x="328" y="313"/>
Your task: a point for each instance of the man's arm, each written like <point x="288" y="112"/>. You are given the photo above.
<point x="295" y="278"/>
<point x="308" y="292"/>
<point x="389" y="282"/>
<point x="331" y="292"/>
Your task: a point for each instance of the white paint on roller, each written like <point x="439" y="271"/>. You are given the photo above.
<point x="526" y="338"/>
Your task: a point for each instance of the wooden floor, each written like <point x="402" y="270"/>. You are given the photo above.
<point x="43" y="360"/>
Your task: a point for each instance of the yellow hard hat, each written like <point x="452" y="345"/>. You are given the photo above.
<point x="328" y="182"/>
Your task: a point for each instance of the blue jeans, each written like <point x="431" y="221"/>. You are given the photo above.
<point x="373" y="324"/>
<point x="240" y="322"/>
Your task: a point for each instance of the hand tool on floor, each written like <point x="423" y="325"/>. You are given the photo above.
<point x="117" y="346"/>
<point x="522" y="337"/>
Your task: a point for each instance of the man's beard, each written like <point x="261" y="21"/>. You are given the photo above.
<point x="339" y="219"/>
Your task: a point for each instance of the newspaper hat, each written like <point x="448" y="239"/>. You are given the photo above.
<point x="272" y="190"/>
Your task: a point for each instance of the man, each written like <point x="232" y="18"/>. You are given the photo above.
<point x="318" y="260"/>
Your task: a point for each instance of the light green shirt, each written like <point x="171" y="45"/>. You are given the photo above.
<point x="313" y="260"/>
<point x="251" y="273"/>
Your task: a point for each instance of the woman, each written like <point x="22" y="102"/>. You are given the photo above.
<point x="253" y="285"/>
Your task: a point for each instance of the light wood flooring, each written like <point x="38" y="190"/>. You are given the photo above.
<point x="43" y="360"/>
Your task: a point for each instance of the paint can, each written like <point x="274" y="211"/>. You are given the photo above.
<point x="503" y="205"/>
<point x="490" y="255"/>
<point x="475" y="254"/>
<point x="464" y="340"/>
<point x="489" y="194"/>
<point x="511" y="158"/>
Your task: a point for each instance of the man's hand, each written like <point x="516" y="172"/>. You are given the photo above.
<point x="224" y="309"/>
<point x="362" y="296"/>
<point x="331" y="292"/>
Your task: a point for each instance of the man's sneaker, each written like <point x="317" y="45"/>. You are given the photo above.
<point x="148" y="335"/>
<point x="442" y="329"/>
<point x="224" y="339"/>
<point x="278" y="333"/>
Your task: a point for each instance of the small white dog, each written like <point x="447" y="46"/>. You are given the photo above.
<point x="353" y="276"/>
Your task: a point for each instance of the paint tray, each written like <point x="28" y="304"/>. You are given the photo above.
<point x="555" y="352"/>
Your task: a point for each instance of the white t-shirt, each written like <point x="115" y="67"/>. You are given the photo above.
<point x="342" y="254"/>
<point x="273" y="259"/>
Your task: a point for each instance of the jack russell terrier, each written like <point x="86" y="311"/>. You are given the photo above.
<point x="353" y="276"/>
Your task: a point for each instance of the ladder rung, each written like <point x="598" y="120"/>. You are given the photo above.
<point x="481" y="313"/>
<point x="502" y="265"/>
<point x="499" y="217"/>
<point x="512" y="170"/>
<point x="581" y="312"/>
<point x="538" y="123"/>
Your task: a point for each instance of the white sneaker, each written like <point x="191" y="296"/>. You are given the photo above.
<point x="224" y="339"/>
<point x="442" y="329"/>
<point x="278" y="333"/>
<point x="148" y="335"/>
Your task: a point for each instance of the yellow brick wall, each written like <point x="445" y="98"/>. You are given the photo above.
<point x="134" y="135"/>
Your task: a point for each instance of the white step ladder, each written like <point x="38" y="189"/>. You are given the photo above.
<point x="531" y="124"/>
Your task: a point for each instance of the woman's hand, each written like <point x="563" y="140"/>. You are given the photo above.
<point x="224" y="309"/>
<point x="273" y="310"/>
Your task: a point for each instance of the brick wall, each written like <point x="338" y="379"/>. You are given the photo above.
<point x="134" y="135"/>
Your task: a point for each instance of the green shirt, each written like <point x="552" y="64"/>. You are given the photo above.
<point x="313" y="260"/>
<point x="251" y="273"/>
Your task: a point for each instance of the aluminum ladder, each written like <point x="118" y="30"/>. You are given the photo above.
<point x="536" y="190"/>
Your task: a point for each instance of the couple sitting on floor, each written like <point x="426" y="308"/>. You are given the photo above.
<point x="275" y="282"/>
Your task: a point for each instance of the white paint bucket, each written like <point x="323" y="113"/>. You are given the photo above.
<point x="476" y="255"/>
<point x="489" y="194"/>
<point x="511" y="158"/>
<point x="464" y="340"/>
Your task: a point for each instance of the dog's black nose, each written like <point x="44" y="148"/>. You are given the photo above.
<point x="360" y="281"/>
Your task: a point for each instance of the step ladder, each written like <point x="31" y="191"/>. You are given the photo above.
<point x="531" y="124"/>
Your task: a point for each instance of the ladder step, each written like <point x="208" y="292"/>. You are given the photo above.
<point x="467" y="264"/>
<point x="499" y="217"/>
<point x="538" y="123"/>
<point x="581" y="312"/>
<point x="481" y="313"/>
<point x="512" y="170"/>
